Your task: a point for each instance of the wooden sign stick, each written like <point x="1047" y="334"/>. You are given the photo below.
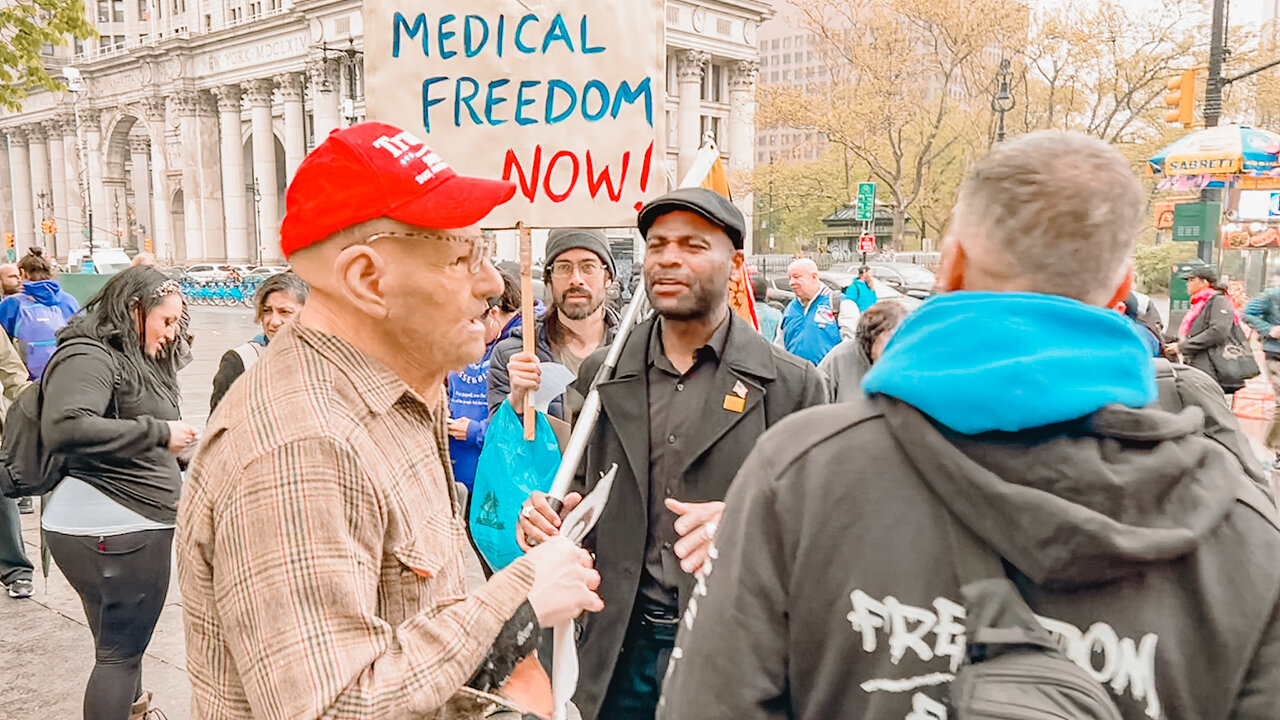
<point x="527" y="320"/>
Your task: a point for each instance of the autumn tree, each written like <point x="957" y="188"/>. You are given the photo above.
<point x="1100" y="67"/>
<point x="793" y="197"/>
<point x="904" y="79"/>
<point x="26" y="27"/>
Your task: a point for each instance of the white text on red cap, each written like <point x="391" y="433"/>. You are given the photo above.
<point x="401" y="147"/>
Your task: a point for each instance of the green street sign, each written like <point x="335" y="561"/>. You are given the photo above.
<point x="866" y="201"/>
<point x="1196" y="221"/>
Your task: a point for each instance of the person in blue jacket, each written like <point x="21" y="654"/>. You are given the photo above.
<point x="469" y="387"/>
<point x="862" y="291"/>
<point x="44" y="305"/>
<point x="809" y="327"/>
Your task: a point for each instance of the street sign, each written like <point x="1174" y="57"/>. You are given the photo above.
<point x="866" y="201"/>
<point x="1196" y="221"/>
<point x="867" y="244"/>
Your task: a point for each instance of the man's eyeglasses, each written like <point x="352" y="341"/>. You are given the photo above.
<point x="481" y="246"/>
<point x="565" y="268"/>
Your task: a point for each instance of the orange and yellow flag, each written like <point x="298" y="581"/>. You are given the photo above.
<point x="741" y="297"/>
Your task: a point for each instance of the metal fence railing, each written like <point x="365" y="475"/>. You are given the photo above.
<point x="771" y="265"/>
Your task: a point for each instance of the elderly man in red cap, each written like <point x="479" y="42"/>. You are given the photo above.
<point x="320" y="543"/>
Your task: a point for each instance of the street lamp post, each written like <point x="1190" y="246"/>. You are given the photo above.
<point x="1003" y="101"/>
<point x="257" y="223"/>
<point x="75" y="83"/>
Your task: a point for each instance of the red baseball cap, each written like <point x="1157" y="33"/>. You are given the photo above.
<point x="374" y="170"/>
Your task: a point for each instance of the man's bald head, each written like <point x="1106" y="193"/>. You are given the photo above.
<point x="405" y="294"/>
<point x="802" y="275"/>
<point x="1050" y="212"/>
<point x="10" y="279"/>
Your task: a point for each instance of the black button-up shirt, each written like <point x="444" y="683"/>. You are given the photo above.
<point x="676" y="403"/>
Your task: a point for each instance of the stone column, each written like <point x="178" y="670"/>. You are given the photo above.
<point x="233" y="194"/>
<point x="742" y="137"/>
<point x="208" y="155"/>
<point x="58" y="174"/>
<point x="690" y="64"/>
<point x="41" y="183"/>
<point x="264" y="167"/>
<point x="140" y="179"/>
<point x="24" y="223"/>
<point x="73" y="200"/>
<point x="326" y="97"/>
<point x="295" y="131"/>
<point x="154" y="109"/>
<point x="191" y="245"/>
<point x="6" y="189"/>
<point x="101" y="212"/>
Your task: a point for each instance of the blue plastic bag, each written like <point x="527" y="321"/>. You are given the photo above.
<point x="509" y="469"/>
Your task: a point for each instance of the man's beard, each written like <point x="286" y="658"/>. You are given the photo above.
<point x="702" y="301"/>
<point x="578" y="311"/>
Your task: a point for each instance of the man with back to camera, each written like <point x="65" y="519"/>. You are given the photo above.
<point x="1015" y="407"/>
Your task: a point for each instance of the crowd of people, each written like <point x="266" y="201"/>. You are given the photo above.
<point x="839" y="509"/>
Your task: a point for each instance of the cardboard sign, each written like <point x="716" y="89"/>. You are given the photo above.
<point x="565" y="98"/>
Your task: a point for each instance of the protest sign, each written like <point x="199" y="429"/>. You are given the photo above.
<point x="563" y="98"/>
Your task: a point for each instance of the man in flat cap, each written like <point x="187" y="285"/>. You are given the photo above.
<point x="693" y="391"/>
<point x="320" y="537"/>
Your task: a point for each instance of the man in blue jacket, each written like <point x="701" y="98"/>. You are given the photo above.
<point x="809" y="327"/>
<point x="1263" y="315"/>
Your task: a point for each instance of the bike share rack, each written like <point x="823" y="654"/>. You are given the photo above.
<point x="221" y="293"/>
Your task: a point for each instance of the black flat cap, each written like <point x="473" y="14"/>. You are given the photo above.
<point x="708" y="203"/>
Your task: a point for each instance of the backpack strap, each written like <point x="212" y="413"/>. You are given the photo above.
<point x="1167" y="386"/>
<point x="997" y="617"/>
<point x="249" y="354"/>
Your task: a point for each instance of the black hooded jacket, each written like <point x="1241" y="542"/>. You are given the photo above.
<point x="1139" y="542"/>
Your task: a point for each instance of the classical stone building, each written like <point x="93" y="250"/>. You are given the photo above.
<point x="194" y="115"/>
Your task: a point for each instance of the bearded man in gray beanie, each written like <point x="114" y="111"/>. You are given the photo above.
<point x="578" y="272"/>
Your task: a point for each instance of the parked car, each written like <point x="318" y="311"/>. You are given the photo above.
<point x="840" y="282"/>
<point x="907" y="278"/>
<point x="779" y="289"/>
<point x="205" y="273"/>
<point x="266" y="271"/>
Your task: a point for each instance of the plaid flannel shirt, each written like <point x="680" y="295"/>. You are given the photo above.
<point x="320" y="548"/>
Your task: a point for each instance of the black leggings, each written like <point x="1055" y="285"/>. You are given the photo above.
<point x="122" y="581"/>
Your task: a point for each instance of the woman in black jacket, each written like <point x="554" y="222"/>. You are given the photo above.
<point x="1206" y="328"/>
<point x="110" y="406"/>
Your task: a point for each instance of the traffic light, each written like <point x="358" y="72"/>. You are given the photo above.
<point x="49" y="227"/>
<point x="146" y="245"/>
<point x="8" y="240"/>
<point x="119" y="231"/>
<point x="1182" y="101"/>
